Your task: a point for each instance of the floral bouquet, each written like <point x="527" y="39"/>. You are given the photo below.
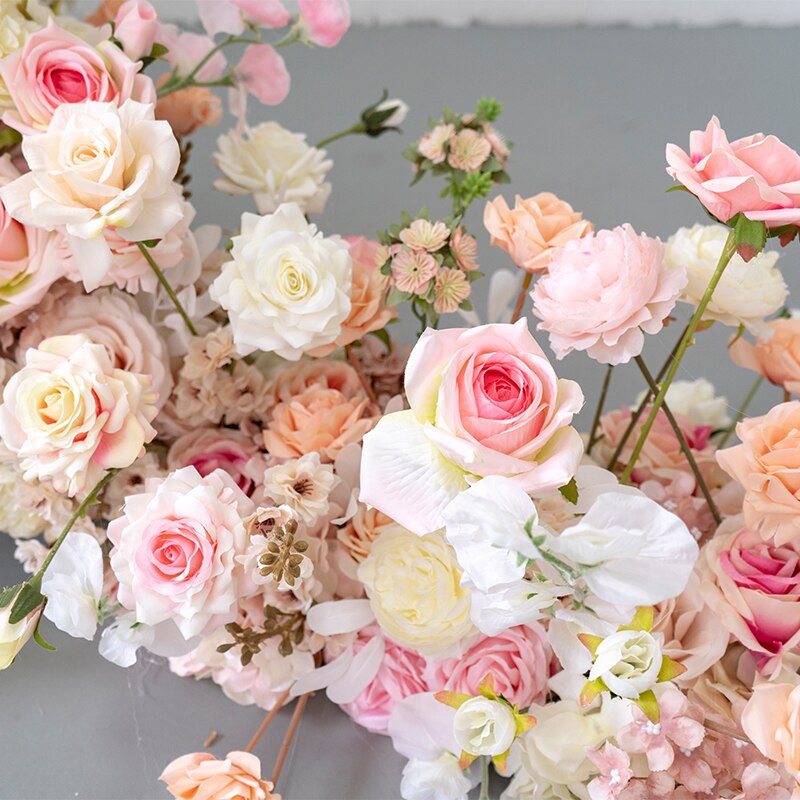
<point x="213" y="449"/>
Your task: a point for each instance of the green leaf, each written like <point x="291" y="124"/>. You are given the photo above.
<point x="9" y="138"/>
<point x="383" y="335"/>
<point x="466" y="306"/>
<point x="28" y="599"/>
<point x="678" y="188"/>
<point x="750" y="236"/>
<point x="7" y="595"/>
<point x="570" y="491"/>
<point x="151" y="243"/>
<point x="488" y="109"/>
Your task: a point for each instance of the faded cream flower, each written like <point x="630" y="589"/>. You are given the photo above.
<point x="422" y="234"/>
<point x="468" y="150"/>
<point x="30" y="553"/>
<point x="432" y="144"/>
<point x="14" y="30"/>
<point x="303" y="484"/>
<point x="450" y="290"/>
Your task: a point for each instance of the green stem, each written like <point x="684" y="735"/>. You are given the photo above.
<point x="359" y="127"/>
<point x="484" y="795"/>
<point x="741" y="412"/>
<point x="687" y="451"/>
<point x="523" y="291"/>
<point x="420" y="315"/>
<point x="593" y="437"/>
<point x="728" y="251"/>
<point x="167" y="288"/>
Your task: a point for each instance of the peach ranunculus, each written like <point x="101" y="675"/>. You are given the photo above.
<point x="776" y="357"/>
<point x="368" y="309"/>
<point x="97" y="167"/>
<point x="533" y="228"/>
<point x="55" y="67"/>
<point x="603" y="292"/>
<point x="484" y="401"/>
<point x="753" y="589"/>
<point x="757" y="176"/>
<point x="771" y="720"/>
<point x="201" y="776"/>
<point x="188" y="109"/>
<point x="294" y="379"/>
<point x="766" y="465"/>
<point x="69" y="414"/>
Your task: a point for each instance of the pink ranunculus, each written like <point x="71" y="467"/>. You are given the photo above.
<point x="207" y="449"/>
<point x="753" y="588"/>
<point x="758" y="176"/>
<point x="519" y="660"/>
<point x="175" y="549"/>
<point x="262" y="72"/>
<point x="484" y="401"/>
<point x="400" y="674"/>
<point x="603" y="292"/>
<point x="54" y="67"/>
<point x="326" y="20"/>
<point x="136" y="27"/>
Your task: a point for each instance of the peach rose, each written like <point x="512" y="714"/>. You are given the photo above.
<point x="771" y="720"/>
<point x="105" y="12"/>
<point x="294" y="379"/>
<point x="201" y="776"/>
<point x="534" y="228"/>
<point x="188" y="109"/>
<point x="753" y="589"/>
<point x="766" y="465"/>
<point x="362" y="529"/>
<point x="776" y="357"/>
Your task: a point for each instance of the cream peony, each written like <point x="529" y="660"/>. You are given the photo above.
<point x="69" y="414"/>
<point x="746" y="293"/>
<point x="274" y="165"/>
<point x="98" y="167"/>
<point x="413" y="587"/>
<point x="287" y="289"/>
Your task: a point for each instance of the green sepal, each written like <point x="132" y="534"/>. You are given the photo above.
<point x="669" y="669"/>
<point x="591" y="691"/>
<point x="29" y="599"/>
<point x="642" y="620"/>
<point x="7" y="595"/>
<point x="570" y="491"/>
<point x="749" y="236"/>
<point x="9" y="138"/>
<point x="649" y="705"/>
<point x="40" y="640"/>
<point x="590" y="642"/>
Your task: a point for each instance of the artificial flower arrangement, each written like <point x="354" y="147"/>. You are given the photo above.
<point x="214" y="449"/>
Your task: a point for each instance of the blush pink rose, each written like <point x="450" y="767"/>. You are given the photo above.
<point x="136" y="27"/>
<point x="201" y="776"/>
<point x="767" y="465"/>
<point x="325" y="20"/>
<point x="262" y="72"/>
<point x="519" y="660"/>
<point x="776" y="356"/>
<point x="753" y="588"/>
<point x="399" y="675"/>
<point x="207" y="449"/>
<point x="175" y="547"/>
<point x="54" y="67"/>
<point x="758" y="176"/>
<point x="603" y="292"/>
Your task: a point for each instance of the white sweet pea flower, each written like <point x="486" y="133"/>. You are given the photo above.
<point x="698" y="401"/>
<point x="628" y="663"/>
<point x="437" y="779"/>
<point x="73" y="585"/>
<point x="484" y="727"/>
<point x="510" y="604"/>
<point x="121" y="640"/>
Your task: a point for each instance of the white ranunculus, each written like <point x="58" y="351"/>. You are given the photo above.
<point x="73" y="585"/>
<point x="274" y="165"/>
<point x="698" y="401"/>
<point x="748" y="291"/>
<point x="628" y="662"/>
<point x="14" y="636"/>
<point x="632" y="551"/>
<point x="287" y="289"/>
<point x="484" y="727"/>
<point x="439" y="779"/>
<point x="99" y="166"/>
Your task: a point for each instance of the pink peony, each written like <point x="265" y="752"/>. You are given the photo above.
<point x="262" y="72"/>
<point x="325" y="20"/>
<point x="136" y="27"/>
<point x="758" y="176"/>
<point x="201" y="776"/>
<point x="55" y="67"/>
<point x="603" y="291"/>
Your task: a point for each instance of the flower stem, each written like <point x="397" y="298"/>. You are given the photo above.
<point x="526" y="282"/>
<point x="294" y="723"/>
<point x="167" y="288"/>
<point x="687" y="451"/>
<point x="787" y="395"/>
<point x="484" y="795"/>
<point x="352" y="359"/>
<point x="593" y="437"/>
<point x="359" y="127"/>
<point x="279" y="703"/>
<point x="728" y="251"/>
<point x="741" y="412"/>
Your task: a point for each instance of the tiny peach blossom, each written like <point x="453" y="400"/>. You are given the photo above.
<point x="468" y="150"/>
<point x="432" y="144"/>
<point x="465" y="249"/>
<point x="412" y="271"/>
<point x="450" y="290"/>
<point x="422" y="234"/>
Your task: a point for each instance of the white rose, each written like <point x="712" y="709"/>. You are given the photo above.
<point x="628" y="662"/>
<point x="484" y="727"/>
<point x="439" y="779"/>
<point x="287" y="289"/>
<point x="747" y="291"/>
<point x="99" y="166"/>
<point x="274" y="165"/>
<point x="13" y="637"/>
<point x="697" y="401"/>
<point x="399" y="114"/>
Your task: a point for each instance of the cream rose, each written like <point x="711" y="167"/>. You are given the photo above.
<point x="99" y="166"/>
<point x="413" y="586"/>
<point x="14" y="636"/>
<point x="628" y="663"/>
<point x="275" y="166"/>
<point x="287" y="289"/>
<point x="69" y="414"/>
<point x="484" y="727"/>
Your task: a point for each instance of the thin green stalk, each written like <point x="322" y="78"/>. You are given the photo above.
<point x="741" y="412"/>
<point x="593" y="437"/>
<point x="728" y="251"/>
<point x="167" y="288"/>
<point x="359" y="127"/>
<point x="484" y="795"/>
<point x="687" y="451"/>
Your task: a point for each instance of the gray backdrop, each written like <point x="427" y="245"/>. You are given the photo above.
<point x="590" y="111"/>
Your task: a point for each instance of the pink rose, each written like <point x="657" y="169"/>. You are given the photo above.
<point x="207" y="449"/>
<point x="766" y="465"/>
<point x="399" y="675"/>
<point x="519" y="660"/>
<point x="262" y="72"/>
<point x="136" y="27"/>
<point x="54" y="67"/>
<point x="753" y="588"/>
<point x="326" y="20"/>
<point x="757" y="176"/>
<point x="776" y="356"/>
<point x="484" y="401"/>
<point x="200" y="775"/>
<point x="175" y="551"/>
<point x="602" y="291"/>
